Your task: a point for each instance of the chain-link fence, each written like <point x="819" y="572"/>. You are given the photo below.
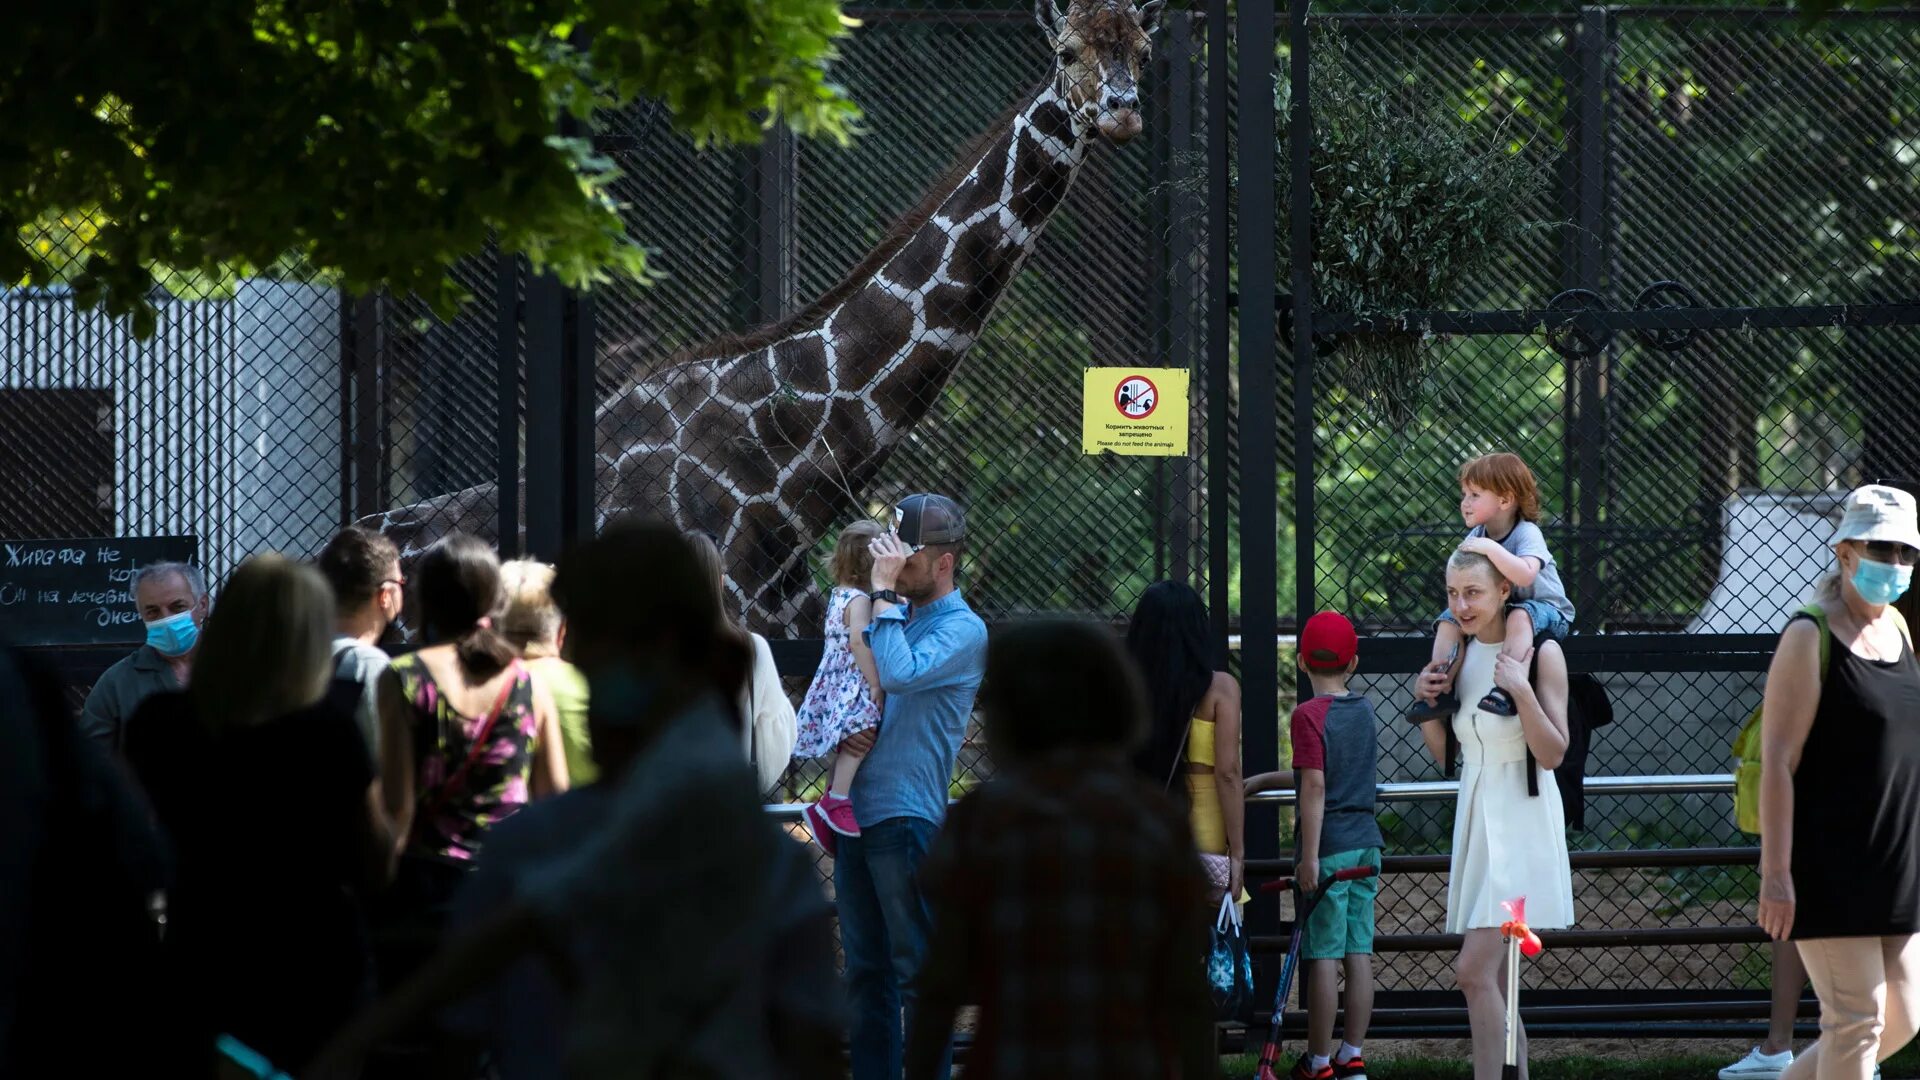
<point x="1696" y="342"/>
<point x="1668" y="256"/>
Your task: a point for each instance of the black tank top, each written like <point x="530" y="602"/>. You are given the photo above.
<point x="1856" y="802"/>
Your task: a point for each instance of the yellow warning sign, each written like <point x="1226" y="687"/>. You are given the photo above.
<point x="1139" y="411"/>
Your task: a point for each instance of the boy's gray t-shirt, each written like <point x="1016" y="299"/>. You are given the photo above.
<point x="1526" y="541"/>
<point x="1353" y="760"/>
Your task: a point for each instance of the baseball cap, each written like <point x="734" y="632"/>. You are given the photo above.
<point x="929" y="519"/>
<point x="1329" y="642"/>
<point x="1878" y="512"/>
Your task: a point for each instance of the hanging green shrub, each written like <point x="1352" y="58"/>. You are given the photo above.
<point x="1410" y="205"/>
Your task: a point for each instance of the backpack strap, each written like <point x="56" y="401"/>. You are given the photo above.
<point x="1533" y="771"/>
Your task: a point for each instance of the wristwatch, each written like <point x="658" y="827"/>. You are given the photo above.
<point x="885" y="596"/>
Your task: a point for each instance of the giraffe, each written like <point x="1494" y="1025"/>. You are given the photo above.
<point x="765" y="439"/>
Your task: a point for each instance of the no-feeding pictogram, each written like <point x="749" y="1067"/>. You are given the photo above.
<point x="1136" y="397"/>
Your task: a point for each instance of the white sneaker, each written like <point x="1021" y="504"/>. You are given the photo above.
<point x="1758" y="1066"/>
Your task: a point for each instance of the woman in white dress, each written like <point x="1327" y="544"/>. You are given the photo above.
<point x="1506" y="842"/>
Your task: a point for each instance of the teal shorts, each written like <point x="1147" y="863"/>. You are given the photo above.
<point x="1342" y="923"/>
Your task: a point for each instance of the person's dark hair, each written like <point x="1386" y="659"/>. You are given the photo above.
<point x="642" y="585"/>
<point x="1055" y="684"/>
<point x="356" y="562"/>
<point x="1170" y="641"/>
<point x="458" y="584"/>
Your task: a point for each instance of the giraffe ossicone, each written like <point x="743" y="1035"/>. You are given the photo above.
<point x="767" y="439"/>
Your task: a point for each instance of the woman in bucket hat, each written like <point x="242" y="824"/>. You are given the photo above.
<point x="1840" y="793"/>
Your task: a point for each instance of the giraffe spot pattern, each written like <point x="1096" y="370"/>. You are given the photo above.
<point x="802" y="364"/>
<point x="769" y="449"/>
<point x="919" y="260"/>
<point x="907" y="397"/>
<point x="786" y="423"/>
<point x="747" y="379"/>
<point x="872" y="326"/>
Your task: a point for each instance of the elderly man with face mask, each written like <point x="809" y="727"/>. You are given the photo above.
<point x="172" y="600"/>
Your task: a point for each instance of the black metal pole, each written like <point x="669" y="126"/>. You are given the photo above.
<point x="1219" y="338"/>
<point x="347" y="370"/>
<point x="370" y="436"/>
<point x="507" y="379"/>
<point x="1259" y="512"/>
<point x="1300" y="218"/>
<point x="1180" y="283"/>
<point x="1593" y="47"/>
<point x="546" y="408"/>
<point x="1159" y="258"/>
<point x="580" y="400"/>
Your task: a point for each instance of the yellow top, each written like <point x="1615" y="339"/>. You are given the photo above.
<point x="1200" y="742"/>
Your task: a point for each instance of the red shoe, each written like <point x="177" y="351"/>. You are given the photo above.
<point x="1303" y="1070"/>
<point x="1352" y="1069"/>
<point x="838" y="810"/>
<point x="822" y="832"/>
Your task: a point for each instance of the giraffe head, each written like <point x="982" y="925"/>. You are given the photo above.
<point x="1099" y="47"/>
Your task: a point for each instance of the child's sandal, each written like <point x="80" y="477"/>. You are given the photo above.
<point x="1498" y="703"/>
<point x="1443" y="706"/>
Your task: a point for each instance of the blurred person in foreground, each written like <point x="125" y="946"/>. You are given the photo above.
<point x="1068" y="900"/>
<point x="687" y="929"/>
<point x="80" y="858"/>
<point x="260" y="777"/>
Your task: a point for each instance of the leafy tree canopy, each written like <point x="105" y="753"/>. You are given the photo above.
<point x="377" y="142"/>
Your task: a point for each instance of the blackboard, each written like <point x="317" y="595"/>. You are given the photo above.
<point x="78" y="592"/>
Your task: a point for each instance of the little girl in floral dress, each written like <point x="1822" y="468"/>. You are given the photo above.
<point x="845" y="697"/>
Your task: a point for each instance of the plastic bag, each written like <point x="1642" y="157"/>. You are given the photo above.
<point x="1229" y="966"/>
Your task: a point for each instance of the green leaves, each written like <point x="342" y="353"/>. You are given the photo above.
<point x="1411" y="204"/>
<point x="374" y="143"/>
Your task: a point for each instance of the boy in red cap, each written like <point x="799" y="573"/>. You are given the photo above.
<point x="1335" y="764"/>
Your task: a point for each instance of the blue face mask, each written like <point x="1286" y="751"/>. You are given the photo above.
<point x="1881" y="583"/>
<point x="175" y="635"/>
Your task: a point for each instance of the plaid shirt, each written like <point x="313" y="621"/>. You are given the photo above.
<point x="1070" y="906"/>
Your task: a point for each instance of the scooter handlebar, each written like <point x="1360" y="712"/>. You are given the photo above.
<point x="1353" y="873"/>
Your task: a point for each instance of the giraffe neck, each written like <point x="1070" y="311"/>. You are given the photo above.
<point x="770" y="447"/>
<point x="896" y="341"/>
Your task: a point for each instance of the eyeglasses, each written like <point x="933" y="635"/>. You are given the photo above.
<point x="400" y="581"/>
<point x="1891" y="551"/>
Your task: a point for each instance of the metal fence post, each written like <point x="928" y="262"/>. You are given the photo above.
<point x="1259" y="512"/>
<point x="507" y="351"/>
<point x="579" y="402"/>
<point x="1300" y="218"/>
<point x="1584" y="266"/>
<point x="1219" y="337"/>
<point x="1181" y="249"/>
<point x="368" y="441"/>
<point x="546" y="408"/>
<point x="768" y="217"/>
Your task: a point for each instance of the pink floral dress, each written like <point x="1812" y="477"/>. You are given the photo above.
<point x="451" y="818"/>
<point x="839" y="703"/>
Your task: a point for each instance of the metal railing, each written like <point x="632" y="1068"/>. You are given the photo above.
<point x="1427" y="790"/>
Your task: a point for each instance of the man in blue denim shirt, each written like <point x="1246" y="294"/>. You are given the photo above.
<point x="930" y="650"/>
